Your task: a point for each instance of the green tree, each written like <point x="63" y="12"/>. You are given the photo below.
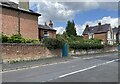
<point x="70" y="28"/>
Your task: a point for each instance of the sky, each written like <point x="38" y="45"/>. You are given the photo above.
<point x="82" y="13"/>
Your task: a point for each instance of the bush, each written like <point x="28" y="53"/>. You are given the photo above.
<point x="84" y="46"/>
<point x="17" y="38"/>
<point x="53" y="43"/>
<point x="3" y="38"/>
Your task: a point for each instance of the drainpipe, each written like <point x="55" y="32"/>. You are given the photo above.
<point x="18" y="22"/>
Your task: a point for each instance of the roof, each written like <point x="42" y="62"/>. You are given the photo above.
<point x="14" y="6"/>
<point x="45" y="27"/>
<point x="116" y="30"/>
<point x="97" y="29"/>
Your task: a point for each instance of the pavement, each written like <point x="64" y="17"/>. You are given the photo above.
<point x="101" y="68"/>
<point x="42" y="62"/>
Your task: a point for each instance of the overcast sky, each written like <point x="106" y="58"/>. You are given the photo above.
<point x="81" y="12"/>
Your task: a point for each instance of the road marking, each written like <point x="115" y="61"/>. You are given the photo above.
<point x="77" y="71"/>
<point x="87" y="68"/>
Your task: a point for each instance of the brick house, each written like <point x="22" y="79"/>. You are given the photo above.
<point x="46" y="31"/>
<point x="103" y="32"/>
<point x="17" y="20"/>
<point x="116" y="34"/>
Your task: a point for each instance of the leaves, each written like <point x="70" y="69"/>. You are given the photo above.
<point x="70" y="29"/>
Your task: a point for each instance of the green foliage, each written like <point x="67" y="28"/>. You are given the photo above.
<point x="93" y="41"/>
<point x="52" y="43"/>
<point x="84" y="46"/>
<point x="70" y="29"/>
<point x="17" y="38"/>
<point x="3" y="38"/>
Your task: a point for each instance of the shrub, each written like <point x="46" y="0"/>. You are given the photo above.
<point x="53" y="43"/>
<point x="3" y="38"/>
<point x="85" y="46"/>
<point x="16" y="38"/>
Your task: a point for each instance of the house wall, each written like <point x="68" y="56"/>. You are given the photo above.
<point x="29" y="26"/>
<point x="85" y="37"/>
<point x="9" y="21"/>
<point x="28" y="23"/>
<point x="52" y="34"/>
<point x="102" y="36"/>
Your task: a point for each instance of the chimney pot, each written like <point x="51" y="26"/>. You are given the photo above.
<point x="87" y="25"/>
<point x="51" y="24"/>
<point x="99" y="23"/>
<point x="45" y="24"/>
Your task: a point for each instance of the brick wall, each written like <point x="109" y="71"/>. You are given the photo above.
<point x="28" y="23"/>
<point x="95" y="51"/>
<point x="27" y="52"/>
<point x="52" y="34"/>
<point x="9" y="21"/>
<point x="102" y="36"/>
<point x="85" y="37"/>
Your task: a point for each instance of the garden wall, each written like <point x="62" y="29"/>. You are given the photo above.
<point x="104" y="50"/>
<point x="19" y="52"/>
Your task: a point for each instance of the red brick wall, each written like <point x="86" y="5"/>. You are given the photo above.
<point x="85" y="37"/>
<point x="9" y="21"/>
<point x="29" y="26"/>
<point x="52" y="34"/>
<point x="27" y="52"/>
<point x="0" y="20"/>
<point x="102" y="36"/>
<point x="28" y="23"/>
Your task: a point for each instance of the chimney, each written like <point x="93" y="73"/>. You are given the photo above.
<point x="45" y="24"/>
<point x="24" y="4"/>
<point x="99" y="24"/>
<point x="87" y="26"/>
<point x="51" y="24"/>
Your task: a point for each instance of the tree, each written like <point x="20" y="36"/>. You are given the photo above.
<point x="70" y="28"/>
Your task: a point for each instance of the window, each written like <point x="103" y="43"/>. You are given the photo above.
<point x="109" y="35"/>
<point x="91" y="36"/>
<point x="115" y="36"/>
<point x="45" y="32"/>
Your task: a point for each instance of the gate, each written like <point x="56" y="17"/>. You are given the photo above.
<point x="65" y="50"/>
<point x="118" y="50"/>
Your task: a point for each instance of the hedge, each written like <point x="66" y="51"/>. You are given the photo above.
<point x="16" y="38"/>
<point x="53" y="43"/>
<point x="85" y="46"/>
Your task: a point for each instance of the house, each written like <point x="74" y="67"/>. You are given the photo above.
<point x="46" y="31"/>
<point x="103" y="32"/>
<point x="15" y="19"/>
<point x="116" y="35"/>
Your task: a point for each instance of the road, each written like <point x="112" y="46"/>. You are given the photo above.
<point x="98" y="69"/>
